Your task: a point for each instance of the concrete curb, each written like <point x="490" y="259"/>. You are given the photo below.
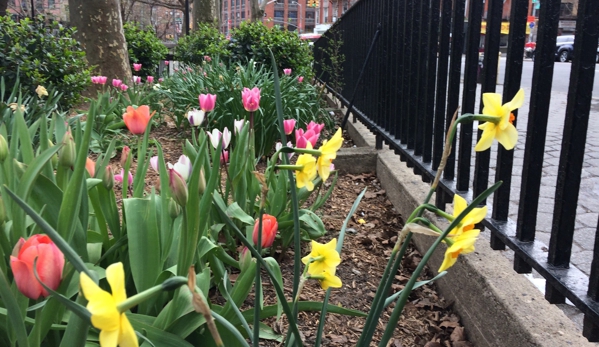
<point x="498" y="307"/>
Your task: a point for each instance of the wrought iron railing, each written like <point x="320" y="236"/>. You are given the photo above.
<point x="414" y="82"/>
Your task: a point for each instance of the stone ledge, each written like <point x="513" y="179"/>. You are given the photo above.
<point x="498" y="307"/>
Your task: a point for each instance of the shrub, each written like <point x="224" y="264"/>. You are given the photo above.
<point x="40" y="53"/>
<point x="252" y="41"/>
<point x="144" y="48"/>
<point x="206" y="40"/>
<point x="300" y="100"/>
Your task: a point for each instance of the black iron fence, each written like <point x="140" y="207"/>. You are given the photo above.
<point x="415" y="80"/>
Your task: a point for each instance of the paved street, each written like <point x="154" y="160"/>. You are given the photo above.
<point x="588" y="207"/>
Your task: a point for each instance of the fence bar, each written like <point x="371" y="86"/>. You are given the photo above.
<point x="574" y="138"/>
<point x="420" y="81"/>
<point x="455" y="72"/>
<point x="429" y="105"/>
<point x="412" y="73"/>
<point x="469" y="93"/>
<point x="408" y="5"/>
<point x="441" y="97"/>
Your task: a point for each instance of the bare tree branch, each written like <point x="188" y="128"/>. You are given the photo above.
<point x="170" y="4"/>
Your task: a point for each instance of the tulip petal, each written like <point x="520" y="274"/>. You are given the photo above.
<point x="26" y="282"/>
<point x="508" y="137"/>
<point x="49" y="267"/>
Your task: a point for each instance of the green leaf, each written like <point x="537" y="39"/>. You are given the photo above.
<point x="144" y="243"/>
<point x="234" y="211"/>
<point x="418" y="284"/>
<point x="14" y="312"/>
<point x="276" y="269"/>
<point x="242" y="288"/>
<point x="312" y="224"/>
<point x="159" y="338"/>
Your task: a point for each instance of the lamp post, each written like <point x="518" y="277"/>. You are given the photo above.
<point x="299" y="27"/>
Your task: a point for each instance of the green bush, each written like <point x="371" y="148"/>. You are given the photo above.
<point x="300" y="100"/>
<point x="252" y="41"/>
<point x="144" y="48"/>
<point x="206" y="40"/>
<point x="40" y="53"/>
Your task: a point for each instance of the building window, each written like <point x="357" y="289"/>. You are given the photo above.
<point x="310" y="14"/>
<point x="292" y="14"/>
<point x="279" y="14"/>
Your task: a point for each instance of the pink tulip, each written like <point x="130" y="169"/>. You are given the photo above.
<point x="166" y="62"/>
<point x="302" y="138"/>
<point x="150" y="79"/>
<point x="136" y="67"/>
<point x="160" y="80"/>
<point x="102" y="79"/>
<point x="287" y="72"/>
<point x="50" y="262"/>
<point x="116" y="83"/>
<point x="207" y="102"/>
<point x="182" y="167"/>
<point x="224" y="157"/>
<point x="251" y="99"/>
<point x="226" y="137"/>
<point x="300" y="79"/>
<point x="119" y="177"/>
<point x="124" y="87"/>
<point x="207" y="58"/>
<point x="289" y="125"/>
<point x="315" y="126"/>
<point x="94" y="79"/>
<point x="154" y="163"/>
<point x="136" y="79"/>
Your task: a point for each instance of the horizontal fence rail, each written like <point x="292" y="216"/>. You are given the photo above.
<point x="425" y="64"/>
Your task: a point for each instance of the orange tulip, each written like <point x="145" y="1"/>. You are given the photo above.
<point x="137" y="119"/>
<point x="90" y="166"/>
<point x="269" y="230"/>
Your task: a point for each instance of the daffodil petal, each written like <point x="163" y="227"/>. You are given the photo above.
<point x="448" y="261"/>
<point x="475" y="216"/>
<point x="109" y="338"/>
<point x="88" y="286"/>
<point x="486" y="139"/>
<point x="127" y="337"/>
<point x="516" y="102"/>
<point x="508" y="137"/>
<point x="492" y="104"/>
<point x="115" y="274"/>
<point x="459" y="205"/>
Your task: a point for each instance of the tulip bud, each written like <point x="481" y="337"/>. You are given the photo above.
<point x="19" y="167"/>
<point x="202" y="185"/>
<point x="245" y="259"/>
<point x="54" y="159"/>
<point x="108" y="178"/>
<point x="173" y="209"/>
<point x="178" y="187"/>
<point x="3" y="149"/>
<point x="125" y="155"/>
<point x="50" y="263"/>
<point x="269" y="230"/>
<point x="68" y="151"/>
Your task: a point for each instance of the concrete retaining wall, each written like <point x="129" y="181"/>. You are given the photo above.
<point x="498" y="307"/>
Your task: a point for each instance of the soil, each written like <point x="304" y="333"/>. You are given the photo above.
<point x="427" y="320"/>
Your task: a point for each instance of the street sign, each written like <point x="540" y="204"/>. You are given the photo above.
<point x="531" y="24"/>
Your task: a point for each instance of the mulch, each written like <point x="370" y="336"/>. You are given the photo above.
<point x="427" y="320"/>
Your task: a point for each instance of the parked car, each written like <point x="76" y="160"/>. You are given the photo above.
<point x="564" y="48"/>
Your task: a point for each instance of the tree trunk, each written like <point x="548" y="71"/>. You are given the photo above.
<point x="257" y="10"/>
<point x="100" y="31"/>
<point x="205" y="11"/>
<point x="3" y="6"/>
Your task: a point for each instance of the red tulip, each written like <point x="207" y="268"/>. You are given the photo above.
<point x="269" y="230"/>
<point x="50" y="262"/>
<point x="137" y="119"/>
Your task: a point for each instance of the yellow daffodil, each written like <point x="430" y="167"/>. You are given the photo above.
<point x="462" y="244"/>
<point x="307" y="174"/>
<point x="328" y="153"/>
<point x="328" y="279"/>
<point x="504" y="131"/>
<point x="473" y="217"/>
<point x="41" y="91"/>
<point x="115" y="328"/>
<point x="323" y="257"/>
